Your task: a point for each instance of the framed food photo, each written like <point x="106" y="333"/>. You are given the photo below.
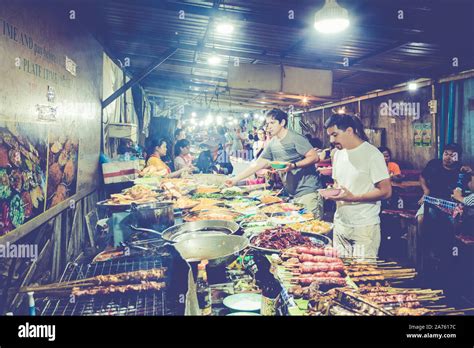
<point x="62" y="168"/>
<point x="23" y="163"/>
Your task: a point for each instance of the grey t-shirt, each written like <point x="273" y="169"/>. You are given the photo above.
<point x="292" y="148"/>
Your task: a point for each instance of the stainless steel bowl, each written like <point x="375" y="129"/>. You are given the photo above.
<point x="218" y="250"/>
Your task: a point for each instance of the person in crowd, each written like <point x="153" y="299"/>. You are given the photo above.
<point x="183" y="158"/>
<point x="259" y="143"/>
<point x="205" y="162"/>
<point x="179" y="134"/>
<point x="127" y="147"/>
<point x="393" y="167"/>
<point x="360" y="172"/>
<point x="467" y="200"/>
<point x="299" y="175"/>
<point x="439" y="178"/>
<point x="155" y="164"/>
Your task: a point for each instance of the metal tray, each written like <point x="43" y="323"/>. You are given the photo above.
<point x="317" y="239"/>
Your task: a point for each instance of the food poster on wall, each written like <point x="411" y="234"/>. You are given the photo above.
<point x="422" y="134"/>
<point x="62" y="168"/>
<point x="23" y="164"/>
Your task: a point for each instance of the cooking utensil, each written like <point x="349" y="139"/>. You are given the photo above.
<point x="156" y="216"/>
<point x="218" y="250"/>
<point x="194" y="229"/>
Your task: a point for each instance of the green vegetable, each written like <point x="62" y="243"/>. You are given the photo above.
<point x="17" y="211"/>
<point x="5" y="190"/>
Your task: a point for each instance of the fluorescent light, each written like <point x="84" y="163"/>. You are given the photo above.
<point x="225" y="28"/>
<point x="214" y="60"/>
<point x="332" y="18"/>
<point x="193" y="114"/>
<point x="209" y="119"/>
<point x="412" y="86"/>
<point x="219" y="120"/>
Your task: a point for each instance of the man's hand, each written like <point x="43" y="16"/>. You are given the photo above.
<point x="420" y="201"/>
<point x="457" y="195"/>
<point x="345" y="196"/>
<point x="230" y="183"/>
<point x="289" y="166"/>
<point x="466" y="170"/>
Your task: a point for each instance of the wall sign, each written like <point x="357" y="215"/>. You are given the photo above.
<point x="422" y="134"/>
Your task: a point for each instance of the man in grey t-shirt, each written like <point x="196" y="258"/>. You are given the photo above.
<point x="299" y="176"/>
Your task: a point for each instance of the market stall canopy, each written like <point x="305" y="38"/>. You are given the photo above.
<point x="386" y="44"/>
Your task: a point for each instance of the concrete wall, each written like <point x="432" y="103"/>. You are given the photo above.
<point x="34" y="43"/>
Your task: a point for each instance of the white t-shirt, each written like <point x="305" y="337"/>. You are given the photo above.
<point x="359" y="170"/>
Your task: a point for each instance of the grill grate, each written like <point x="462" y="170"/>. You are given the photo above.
<point x="129" y="304"/>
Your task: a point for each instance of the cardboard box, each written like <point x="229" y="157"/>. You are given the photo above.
<point x="123" y="131"/>
<point x="120" y="171"/>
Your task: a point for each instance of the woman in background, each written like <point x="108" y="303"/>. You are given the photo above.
<point x="393" y="168"/>
<point x="183" y="157"/>
<point x="156" y="165"/>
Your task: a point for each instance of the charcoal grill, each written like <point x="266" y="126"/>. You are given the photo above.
<point x="151" y="303"/>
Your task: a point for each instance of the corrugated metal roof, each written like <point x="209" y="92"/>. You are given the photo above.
<point x="383" y="50"/>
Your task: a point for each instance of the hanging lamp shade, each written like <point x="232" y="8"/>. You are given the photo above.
<point x="332" y="18"/>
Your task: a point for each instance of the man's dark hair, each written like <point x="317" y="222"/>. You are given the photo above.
<point x="177" y="131"/>
<point x="345" y="121"/>
<point x="278" y="115"/>
<point x="179" y="145"/>
<point x="383" y="149"/>
<point x="454" y="147"/>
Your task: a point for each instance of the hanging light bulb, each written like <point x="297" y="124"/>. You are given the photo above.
<point x="225" y="28"/>
<point x="214" y="60"/>
<point x="193" y="114"/>
<point x="332" y="18"/>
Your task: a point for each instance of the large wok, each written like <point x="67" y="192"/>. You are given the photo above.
<point x="194" y="229"/>
<point x="218" y="250"/>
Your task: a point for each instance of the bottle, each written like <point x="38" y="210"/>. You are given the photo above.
<point x="203" y="289"/>
<point x="31" y="303"/>
<point x="271" y="288"/>
<point x="270" y="291"/>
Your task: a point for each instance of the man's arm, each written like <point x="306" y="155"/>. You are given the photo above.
<point x="254" y="167"/>
<point x="424" y="186"/>
<point x="311" y="157"/>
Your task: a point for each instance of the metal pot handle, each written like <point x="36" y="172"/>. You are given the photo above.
<point x="146" y="230"/>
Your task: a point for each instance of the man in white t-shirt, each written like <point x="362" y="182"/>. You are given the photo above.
<point x="359" y="170"/>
